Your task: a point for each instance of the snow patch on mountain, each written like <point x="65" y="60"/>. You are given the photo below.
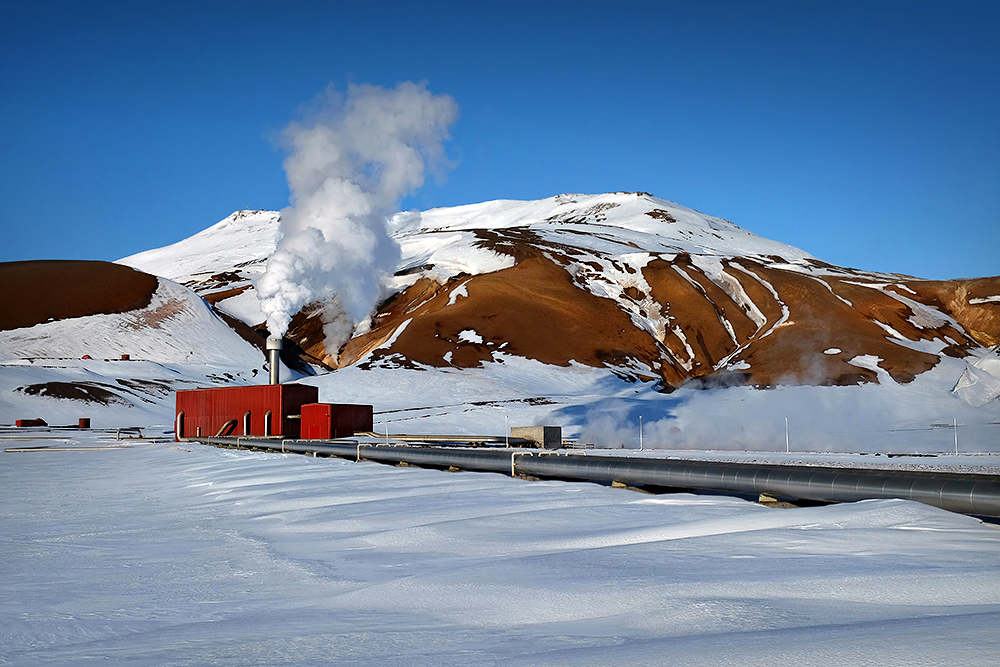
<point x="223" y="260"/>
<point x="243" y="241"/>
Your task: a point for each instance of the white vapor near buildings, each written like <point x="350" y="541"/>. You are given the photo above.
<point x="349" y="164"/>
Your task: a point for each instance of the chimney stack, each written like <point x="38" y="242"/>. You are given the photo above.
<point x="273" y="350"/>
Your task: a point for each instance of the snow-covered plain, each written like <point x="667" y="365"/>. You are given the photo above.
<point x="178" y="554"/>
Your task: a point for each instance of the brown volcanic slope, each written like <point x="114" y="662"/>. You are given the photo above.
<point x="812" y="320"/>
<point x="33" y="292"/>
<point x="631" y="282"/>
<point x="531" y="310"/>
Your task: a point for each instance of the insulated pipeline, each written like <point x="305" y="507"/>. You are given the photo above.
<point x="968" y="494"/>
<point x="974" y="494"/>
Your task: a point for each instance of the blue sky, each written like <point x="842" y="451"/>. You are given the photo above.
<point x="865" y="133"/>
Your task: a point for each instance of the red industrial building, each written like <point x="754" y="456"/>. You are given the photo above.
<point x="279" y="410"/>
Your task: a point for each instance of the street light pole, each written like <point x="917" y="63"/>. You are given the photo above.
<point x="640" y="433"/>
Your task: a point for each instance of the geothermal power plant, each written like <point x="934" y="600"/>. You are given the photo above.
<point x="290" y="418"/>
<point x="272" y="410"/>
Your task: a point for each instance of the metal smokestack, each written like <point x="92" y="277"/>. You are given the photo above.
<point x="273" y="350"/>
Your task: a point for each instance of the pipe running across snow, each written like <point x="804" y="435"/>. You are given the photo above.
<point x="965" y="493"/>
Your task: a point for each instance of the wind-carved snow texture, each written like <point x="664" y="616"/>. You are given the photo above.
<point x="182" y="554"/>
<point x="349" y="164"/>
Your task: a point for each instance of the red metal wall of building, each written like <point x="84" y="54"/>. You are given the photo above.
<point x="324" y="421"/>
<point x="203" y="412"/>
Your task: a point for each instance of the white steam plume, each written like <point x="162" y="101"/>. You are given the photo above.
<point x="348" y="166"/>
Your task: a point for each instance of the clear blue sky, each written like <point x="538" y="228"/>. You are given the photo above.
<point x="866" y="133"/>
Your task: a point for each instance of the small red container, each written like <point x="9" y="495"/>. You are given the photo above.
<point x="325" y="421"/>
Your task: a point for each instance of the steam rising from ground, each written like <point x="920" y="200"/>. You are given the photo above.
<point x="348" y="166"/>
<point x="883" y="417"/>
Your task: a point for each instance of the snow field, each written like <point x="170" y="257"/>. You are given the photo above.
<point x="179" y="554"/>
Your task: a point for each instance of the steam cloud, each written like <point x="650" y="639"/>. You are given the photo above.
<point x="349" y="164"/>
<point x="884" y="417"/>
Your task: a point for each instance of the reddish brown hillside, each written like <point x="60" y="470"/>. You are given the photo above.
<point x="38" y="291"/>
<point x="789" y="326"/>
<point x="968" y="301"/>
<point x="628" y="281"/>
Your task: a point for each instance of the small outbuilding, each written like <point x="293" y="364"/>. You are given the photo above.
<point x="546" y="437"/>
<point x="325" y="421"/>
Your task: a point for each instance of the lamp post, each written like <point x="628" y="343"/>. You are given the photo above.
<point x="506" y="432"/>
<point x="954" y="421"/>
<point x="640" y="433"/>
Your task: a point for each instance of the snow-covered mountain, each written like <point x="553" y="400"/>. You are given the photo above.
<point x="586" y="310"/>
<point x="626" y="281"/>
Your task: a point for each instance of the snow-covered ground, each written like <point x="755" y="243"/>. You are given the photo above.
<point x="592" y="405"/>
<point x="179" y="554"/>
<point x="596" y="407"/>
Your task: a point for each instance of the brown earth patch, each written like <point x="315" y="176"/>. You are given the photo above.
<point x="306" y="329"/>
<point x="523" y="243"/>
<point x="768" y="305"/>
<point x="215" y="297"/>
<point x="37" y="291"/>
<point x="634" y="293"/>
<point x="685" y="305"/>
<point x="661" y="214"/>
<point x="792" y="353"/>
<point x="88" y="392"/>
<point x="953" y="297"/>
<point x="726" y="309"/>
<point x="532" y="310"/>
<point x="876" y="305"/>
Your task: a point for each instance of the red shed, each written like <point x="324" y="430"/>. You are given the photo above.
<point x="270" y="409"/>
<point x="323" y="421"/>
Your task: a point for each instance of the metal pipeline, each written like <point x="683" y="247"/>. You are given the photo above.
<point x="273" y="357"/>
<point x="974" y="494"/>
<point x="965" y="493"/>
